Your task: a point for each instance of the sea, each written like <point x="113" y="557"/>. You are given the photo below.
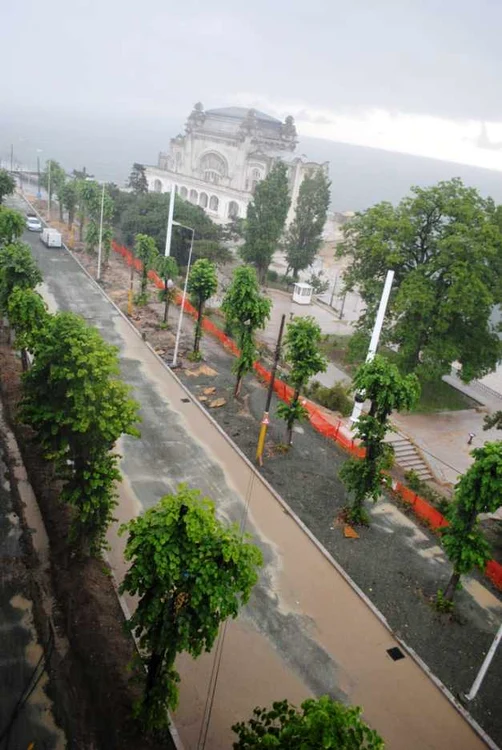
<point x="108" y="146"/>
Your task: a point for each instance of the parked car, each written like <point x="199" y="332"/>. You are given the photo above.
<point x="51" y="237"/>
<point x="33" y="223"/>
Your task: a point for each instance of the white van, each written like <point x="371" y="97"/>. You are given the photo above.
<point x="51" y="237"/>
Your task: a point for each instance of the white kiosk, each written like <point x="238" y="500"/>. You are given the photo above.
<point x="302" y="293"/>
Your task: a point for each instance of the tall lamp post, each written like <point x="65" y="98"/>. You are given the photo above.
<point x="375" y="337"/>
<point x="183" y="298"/>
<point x="170" y="222"/>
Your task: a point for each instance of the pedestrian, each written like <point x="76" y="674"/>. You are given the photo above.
<point x="471" y="436"/>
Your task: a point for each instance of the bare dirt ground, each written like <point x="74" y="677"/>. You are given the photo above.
<point x="96" y="687"/>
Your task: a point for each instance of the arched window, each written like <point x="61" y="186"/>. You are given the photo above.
<point x="183" y="192"/>
<point x="213" y="167"/>
<point x="214" y="203"/>
<point x="193" y="196"/>
<point x="256" y="174"/>
<point x="203" y="200"/>
<point x="233" y="210"/>
<point x="157" y="186"/>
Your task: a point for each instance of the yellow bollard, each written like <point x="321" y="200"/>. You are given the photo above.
<point x="261" y="438"/>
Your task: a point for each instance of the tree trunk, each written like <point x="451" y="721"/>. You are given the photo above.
<point x="24" y="360"/>
<point x="452" y="586"/>
<point x="71" y="216"/>
<point x="291" y="421"/>
<point x="198" y="327"/>
<point x="144" y="280"/>
<point x="81" y="226"/>
<point x="166" y="301"/>
<point x="238" y="384"/>
<point x="61" y="217"/>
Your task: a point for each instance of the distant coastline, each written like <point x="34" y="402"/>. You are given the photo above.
<point x="360" y="176"/>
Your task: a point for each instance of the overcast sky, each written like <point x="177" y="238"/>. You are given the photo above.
<point x="418" y="76"/>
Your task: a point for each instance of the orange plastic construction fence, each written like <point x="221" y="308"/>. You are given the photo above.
<point x="421" y="507"/>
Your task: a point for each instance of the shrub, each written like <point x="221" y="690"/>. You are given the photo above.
<point x="422" y="488"/>
<point x="336" y="398"/>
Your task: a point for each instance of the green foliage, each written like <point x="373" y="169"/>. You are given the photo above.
<point x="190" y="573"/>
<point x="147" y="214"/>
<point x="56" y="183"/>
<point x="213" y="250"/>
<point x="167" y="268"/>
<point x="322" y="723"/>
<point x="301" y="352"/>
<point x="137" y="179"/>
<point x="73" y="399"/>
<point x="336" y="398"/>
<point x="17" y="269"/>
<point x="202" y="284"/>
<point x="11" y="225"/>
<point x="422" y="488"/>
<point x="304" y="236"/>
<point x="445" y="248"/>
<point x="70" y="197"/>
<point x="388" y="390"/>
<point x="441" y="603"/>
<point x="7" y="184"/>
<point x="479" y="490"/>
<point x="246" y="311"/>
<point x="146" y="251"/>
<point x="493" y="420"/>
<point x="27" y="313"/>
<point x="318" y="283"/>
<point x="266" y="216"/>
<point x="91" y="198"/>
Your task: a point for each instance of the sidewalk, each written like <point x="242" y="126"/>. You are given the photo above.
<point x="306" y="630"/>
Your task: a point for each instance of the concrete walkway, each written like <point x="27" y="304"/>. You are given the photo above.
<point x="306" y="629"/>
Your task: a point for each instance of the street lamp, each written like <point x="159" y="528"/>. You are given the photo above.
<point x="180" y="319"/>
<point x="170" y="222"/>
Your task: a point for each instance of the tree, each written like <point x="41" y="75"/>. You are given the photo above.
<point x="57" y="182"/>
<point x="11" y="225"/>
<point x="7" y="184"/>
<point x="479" y="490"/>
<point x="304" y="236"/>
<point x="92" y="197"/>
<point x="137" y="179"/>
<point x="322" y="723"/>
<point x="213" y="250"/>
<point x="445" y="248"/>
<point x="17" y="269"/>
<point x="246" y="310"/>
<point x="202" y="284"/>
<point x="78" y="407"/>
<point x="266" y="216"/>
<point x="388" y="390"/>
<point x="147" y="214"/>
<point x="70" y="198"/>
<point x="301" y="352"/>
<point x="27" y="315"/>
<point x="146" y="251"/>
<point x="190" y="572"/>
<point x="167" y="268"/>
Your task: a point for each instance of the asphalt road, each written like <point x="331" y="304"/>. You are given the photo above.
<point x="306" y="630"/>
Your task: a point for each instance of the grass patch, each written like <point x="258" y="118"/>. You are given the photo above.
<point x="435" y="396"/>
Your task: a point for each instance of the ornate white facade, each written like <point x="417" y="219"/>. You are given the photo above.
<point x="223" y="155"/>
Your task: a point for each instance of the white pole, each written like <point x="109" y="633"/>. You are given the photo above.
<point x="375" y="336"/>
<point x="180" y="319"/>
<point x="49" y="193"/>
<point x="101" y="231"/>
<point x="484" y="667"/>
<point x="170" y="222"/>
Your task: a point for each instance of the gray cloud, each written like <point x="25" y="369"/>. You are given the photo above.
<point x="157" y="57"/>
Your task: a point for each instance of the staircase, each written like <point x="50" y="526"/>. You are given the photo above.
<point x="408" y="456"/>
